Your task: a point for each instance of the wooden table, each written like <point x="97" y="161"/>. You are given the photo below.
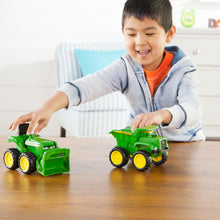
<point x="186" y="187"/>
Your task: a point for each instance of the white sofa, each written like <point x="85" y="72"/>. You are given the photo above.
<point x="92" y="119"/>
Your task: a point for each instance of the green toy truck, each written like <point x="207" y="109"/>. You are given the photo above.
<point x="143" y="147"/>
<point x="35" y="153"/>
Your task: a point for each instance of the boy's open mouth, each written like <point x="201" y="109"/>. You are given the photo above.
<point x="143" y="53"/>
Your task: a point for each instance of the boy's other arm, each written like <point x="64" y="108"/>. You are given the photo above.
<point x="39" y="118"/>
<point x="152" y="118"/>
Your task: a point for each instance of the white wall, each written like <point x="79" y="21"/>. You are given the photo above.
<point x="30" y="29"/>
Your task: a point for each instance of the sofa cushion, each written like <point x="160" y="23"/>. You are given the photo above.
<point x="68" y="69"/>
<point x="92" y="60"/>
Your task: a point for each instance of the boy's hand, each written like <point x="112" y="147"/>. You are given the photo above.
<point x="152" y="118"/>
<point x="38" y="120"/>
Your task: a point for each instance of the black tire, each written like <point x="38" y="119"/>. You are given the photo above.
<point x="141" y="160"/>
<point x="10" y="158"/>
<point x="118" y="157"/>
<point x="27" y="162"/>
<point x="160" y="160"/>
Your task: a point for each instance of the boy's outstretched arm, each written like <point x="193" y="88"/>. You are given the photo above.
<point x="152" y="118"/>
<point x="39" y="118"/>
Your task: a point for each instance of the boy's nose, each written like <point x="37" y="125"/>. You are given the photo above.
<point x="140" y="40"/>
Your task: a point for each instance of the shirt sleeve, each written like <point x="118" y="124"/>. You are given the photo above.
<point x="110" y="79"/>
<point x="188" y="110"/>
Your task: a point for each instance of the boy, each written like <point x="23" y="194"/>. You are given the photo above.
<point x="159" y="83"/>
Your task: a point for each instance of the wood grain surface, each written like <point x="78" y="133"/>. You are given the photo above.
<point x="186" y="187"/>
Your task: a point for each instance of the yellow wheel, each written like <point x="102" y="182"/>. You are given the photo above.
<point x="118" y="157"/>
<point x="157" y="159"/>
<point x="160" y="159"/>
<point x="11" y="158"/>
<point x="27" y="162"/>
<point x="141" y="160"/>
<point x="24" y="163"/>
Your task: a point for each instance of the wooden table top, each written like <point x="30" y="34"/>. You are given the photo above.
<point x="187" y="186"/>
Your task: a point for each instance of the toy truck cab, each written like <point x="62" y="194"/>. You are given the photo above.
<point x="35" y="153"/>
<point x="143" y="147"/>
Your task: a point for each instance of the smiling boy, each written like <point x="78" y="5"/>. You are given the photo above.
<point x="159" y="82"/>
<point x="145" y="41"/>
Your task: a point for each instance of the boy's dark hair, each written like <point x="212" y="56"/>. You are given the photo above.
<point x="159" y="10"/>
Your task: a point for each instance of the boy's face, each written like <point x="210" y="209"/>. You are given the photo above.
<point x="145" y="41"/>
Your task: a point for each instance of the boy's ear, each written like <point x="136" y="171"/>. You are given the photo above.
<point x="122" y="30"/>
<point x="170" y="34"/>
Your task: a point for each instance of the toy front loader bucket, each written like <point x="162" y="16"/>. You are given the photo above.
<point x="54" y="162"/>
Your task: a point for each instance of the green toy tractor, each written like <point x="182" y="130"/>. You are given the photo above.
<point x="35" y="153"/>
<point x="143" y="147"/>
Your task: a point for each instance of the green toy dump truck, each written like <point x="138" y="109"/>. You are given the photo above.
<point x="35" y="153"/>
<point x="143" y="147"/>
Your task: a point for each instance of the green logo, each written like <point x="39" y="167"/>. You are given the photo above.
<point x="188" y="18"/>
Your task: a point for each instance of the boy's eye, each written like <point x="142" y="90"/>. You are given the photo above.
<point x="131" y="35"/>
<point x="149" y="34"/>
